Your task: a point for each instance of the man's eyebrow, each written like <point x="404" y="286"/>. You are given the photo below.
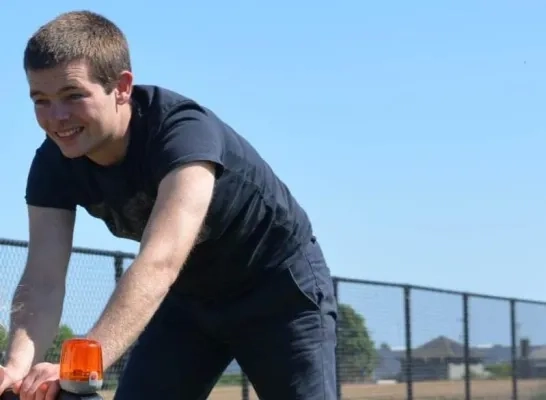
<point x="62" y="90"/>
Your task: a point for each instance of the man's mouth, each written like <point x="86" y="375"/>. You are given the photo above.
<point x="69" y="132"/>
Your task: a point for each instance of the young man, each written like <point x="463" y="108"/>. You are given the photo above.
<point x="228" y="266"/>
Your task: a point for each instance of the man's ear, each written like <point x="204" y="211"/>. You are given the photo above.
<point x="124" y="88"/>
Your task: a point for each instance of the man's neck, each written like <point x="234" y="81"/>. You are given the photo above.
<point x="113" y="151"/>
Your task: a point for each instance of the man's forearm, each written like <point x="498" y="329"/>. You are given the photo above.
<point x="35" y="317"/>
<point x="136" y="298"/>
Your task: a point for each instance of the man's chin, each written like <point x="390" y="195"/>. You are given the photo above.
<point x="73" y="153"/>
<point x="93" y="151"/>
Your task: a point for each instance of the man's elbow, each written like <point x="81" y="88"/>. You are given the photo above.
<point x="40" y="284"/>
<point x="169" y="268"/>
<point x="37" y="298"/>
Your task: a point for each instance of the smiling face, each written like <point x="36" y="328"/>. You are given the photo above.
<point x="78" y="114"/>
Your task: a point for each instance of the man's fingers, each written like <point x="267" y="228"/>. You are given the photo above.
<point x="25" y="384"/>
<point x="21" y="388"/>
<point x="35" y="387"/>
<point x="29" y="386"/>
<point x="38" y="388"/>
<point x="41" y="392"/>
<point x="53" y="390"/>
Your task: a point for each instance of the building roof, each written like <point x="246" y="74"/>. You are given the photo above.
<point x="441" y="347"/>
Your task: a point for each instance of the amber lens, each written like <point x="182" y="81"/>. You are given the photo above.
<point x="81" y="360"/>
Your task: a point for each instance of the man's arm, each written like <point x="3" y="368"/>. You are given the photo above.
<point x="182" y="203"/>
<point x="38" y="300"/>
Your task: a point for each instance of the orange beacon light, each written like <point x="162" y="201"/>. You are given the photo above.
<point x="81" y="374"/>
<point x="81" y="369"/>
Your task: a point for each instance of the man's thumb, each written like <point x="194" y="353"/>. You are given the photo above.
<point x="6" y="381"/>
<point x="16" y="386"/>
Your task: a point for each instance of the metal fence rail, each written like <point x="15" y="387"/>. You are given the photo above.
<point x="395" y="341"/>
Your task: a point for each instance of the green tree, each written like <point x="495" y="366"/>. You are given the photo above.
<point x="3" y="343"/>
<point x="500" y="370"/>
<point x="356" y="353"/>
<point x="53" y="354"/>
<point x="3" y="340"/>
<point x="385" y="346"/>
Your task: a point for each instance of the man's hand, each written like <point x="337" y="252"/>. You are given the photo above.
<point x="41" y="383"/>
<point x="7" y="379"/>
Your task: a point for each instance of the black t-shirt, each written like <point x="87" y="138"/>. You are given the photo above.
<point x="254" y="224"/>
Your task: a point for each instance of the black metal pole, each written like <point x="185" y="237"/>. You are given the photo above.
<point x="118" y="266"/>
<point x="407" y="323"/>
<point x="119" y="365"/>
<point x="513" y="334"/>
<point x="244" y="386"/>
<point x="466" y="338"/>
<point x="338" y="366"/>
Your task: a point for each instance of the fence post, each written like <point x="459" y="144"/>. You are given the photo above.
<point x="244" y="386"/>
<point x="466" y="338"/>
<point x="409" y="355"/>
<point x="513" y="334"/>
<point x="118" y="267"/>
<point x="338" y="366"/>
<point x="117" y="368"/>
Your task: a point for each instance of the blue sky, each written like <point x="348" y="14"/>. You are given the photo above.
<point x="412" y="132"/>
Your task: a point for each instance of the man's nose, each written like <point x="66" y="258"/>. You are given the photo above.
<point x="59" y="112"/>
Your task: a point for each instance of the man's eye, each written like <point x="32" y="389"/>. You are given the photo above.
<point x="75" y="96"/>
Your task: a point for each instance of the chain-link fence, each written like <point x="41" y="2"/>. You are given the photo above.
<point x="394" y="341"/>
<point x="410" y="342"/>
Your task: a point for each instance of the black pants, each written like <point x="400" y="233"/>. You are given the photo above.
<point x="282" y="334"/>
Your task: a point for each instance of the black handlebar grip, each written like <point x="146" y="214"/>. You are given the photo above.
<point x="9" y="395"/>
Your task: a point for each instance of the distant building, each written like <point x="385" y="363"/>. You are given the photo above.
<point x="441" y="359"/>
<point x="532" y="362"/>
<point x="388" y="364"/>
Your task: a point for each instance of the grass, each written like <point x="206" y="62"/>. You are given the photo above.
<point x="444" y="390"/>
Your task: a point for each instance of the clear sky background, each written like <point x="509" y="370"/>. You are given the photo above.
<point x="412" y="132"/>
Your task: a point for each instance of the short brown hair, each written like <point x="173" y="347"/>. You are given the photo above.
<point x="80" y="35"/>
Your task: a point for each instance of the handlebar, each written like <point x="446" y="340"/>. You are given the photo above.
<point x="9" y="395"/>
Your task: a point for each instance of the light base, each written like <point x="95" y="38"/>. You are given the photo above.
<point x="64" y="395"/>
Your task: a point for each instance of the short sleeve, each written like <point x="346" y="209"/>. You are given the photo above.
<point x="48" y="182"/>
<point x="186" y="134"/>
